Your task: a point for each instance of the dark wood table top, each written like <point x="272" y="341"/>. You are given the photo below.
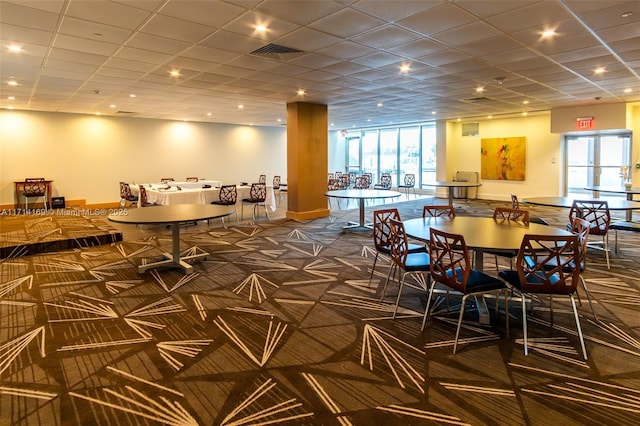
<point x="175" y="213"/>
<point x="362" y="193"/>
<point x="614" y="189"/>
<point x="483" y="233"/>
<point x="567" y="202"/>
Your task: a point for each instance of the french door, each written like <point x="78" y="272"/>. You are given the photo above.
<point x="596" y="160"/>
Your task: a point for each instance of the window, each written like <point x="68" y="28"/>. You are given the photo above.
<point x="397" y="151"/>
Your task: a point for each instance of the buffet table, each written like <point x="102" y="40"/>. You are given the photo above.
<point x="168" y="196"/>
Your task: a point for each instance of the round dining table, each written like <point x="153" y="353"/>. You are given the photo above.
<point x="361" y="195"/>
<point x="451" y="184"/>
<point x="480" y="233"/>
<point x="628" y="191"/>
<point x="567" y="202"/>
<point x="173" y="215"/>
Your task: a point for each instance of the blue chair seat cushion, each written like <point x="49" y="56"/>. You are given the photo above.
<point x="481" y="282"/>
<point x="417" y="262"/>
<point x="413" y="248"/>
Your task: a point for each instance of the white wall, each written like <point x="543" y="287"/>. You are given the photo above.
<point x="87" y="156"/>
<point x="543" y="156"/>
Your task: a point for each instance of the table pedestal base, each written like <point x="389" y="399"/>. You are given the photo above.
<point x="357" y="226"/>
<point x="177" y="262"/>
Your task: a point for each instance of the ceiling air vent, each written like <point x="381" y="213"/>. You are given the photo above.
<point x="275" y="51"/>
<point x="479" y="99"/>
<point x="125" y="112"/>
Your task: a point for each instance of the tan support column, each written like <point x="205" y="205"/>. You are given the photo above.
<point x="307" y="160"/>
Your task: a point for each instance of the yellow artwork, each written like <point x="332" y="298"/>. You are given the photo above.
<point x="503" y="158"/>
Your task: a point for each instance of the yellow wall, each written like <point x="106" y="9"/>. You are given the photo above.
<point x="87" y="155"/>
<point x="543" y="156"/>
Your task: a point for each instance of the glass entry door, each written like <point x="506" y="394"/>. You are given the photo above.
<point x="353" y="155"/>
<point x="596" y="160"/>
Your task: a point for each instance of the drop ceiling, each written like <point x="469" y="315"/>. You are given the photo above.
<point x="115" y="58"/>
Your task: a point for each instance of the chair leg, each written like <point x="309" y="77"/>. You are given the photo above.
<point x="605" y="241"/>
<point x="399" y="294"/>
<point x="426" y="309"/>
<point x="586" y="290"/>
<point x="373" y="268"/>
<point x="464" y="302"/>
<point x="392" y="269"/>
<point x="524" y="324"/>
<point x="575" y="314"/>
<point x="506" y="309"/>
<point x="551" y="310"/>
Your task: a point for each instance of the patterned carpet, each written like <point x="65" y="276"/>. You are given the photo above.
<point x="279" y="326"/>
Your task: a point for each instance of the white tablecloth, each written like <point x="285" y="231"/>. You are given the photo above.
<point x="184" y="185"/>
<point x="170" y="196"/>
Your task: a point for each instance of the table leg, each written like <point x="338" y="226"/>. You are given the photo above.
<point x="450" y="188"/>
<point x="629" y="213"/>
<point x="481" y="302"/>
<point x="360" y="225"/>
<point x="174" y="258"/>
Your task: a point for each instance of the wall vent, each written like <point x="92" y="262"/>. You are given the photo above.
<point x="275" y="51"/>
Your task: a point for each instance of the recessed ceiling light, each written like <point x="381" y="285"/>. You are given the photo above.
<point x="279" y="120"/>
<point x="524" y="114"/>
<point x="261" y="28"/>
<point x="480" y="89"/>
<point x="10" y="107"/>
<point x="628" y="90"/>
<point x="599" y="70"/>
<point x="208" y="114"/>
<point x="380" y="104"/>
<point x="301" y="92"/>
<point x="12" y="83"/>
<point x="174" y="73"/>
<point x="404" y="68"/>
<point x="14" y="48"/>
<point x="548" y="33"/>
<point x="525" y="102"/>
<point x="13" y="98"/>
<point x="240" y="106"/>
<point x="433" y="113"/>
<point x="132" y="95"/>
<point x="112" y="106"/>
<point x="627" y="14"/>
<point x="489" y="117"/>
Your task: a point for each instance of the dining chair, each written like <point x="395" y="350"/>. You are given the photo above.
<point x="597" y="213"/>
<point x="257" y="197"/>
<point x="385" y="182"/>
<point x="409" y="184"/>
<point x="126" y="195"/>
<point x="450" y="264"/>
<point x="414" y="264"/>
<point x="228" y="196"/>
<point x="382" y="239"/>
<point x="510" y="215"/>
<point x="276" y="187"/>
<point x="262" y="179"/>
<point x="368" y="179"/>
<point x="167" y="180"/>
<point x="192" y="179"/>
<point x="34" y="188"/>
<point x="515" y="204"/>
<point x="439" y="211"/>
<point x="143" y="199"/>
<point x="547" y="264"/>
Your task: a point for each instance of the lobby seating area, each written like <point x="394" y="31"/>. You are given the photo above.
<point x="280" y="325"/>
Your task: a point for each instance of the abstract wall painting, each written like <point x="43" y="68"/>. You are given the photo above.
<point x="503" y="158"/>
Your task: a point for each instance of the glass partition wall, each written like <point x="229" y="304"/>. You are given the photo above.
<point x="393" y="150"/>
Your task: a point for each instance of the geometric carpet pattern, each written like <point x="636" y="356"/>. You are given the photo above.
<point x="280" y="325"/>
<point x="57" y="230"/>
